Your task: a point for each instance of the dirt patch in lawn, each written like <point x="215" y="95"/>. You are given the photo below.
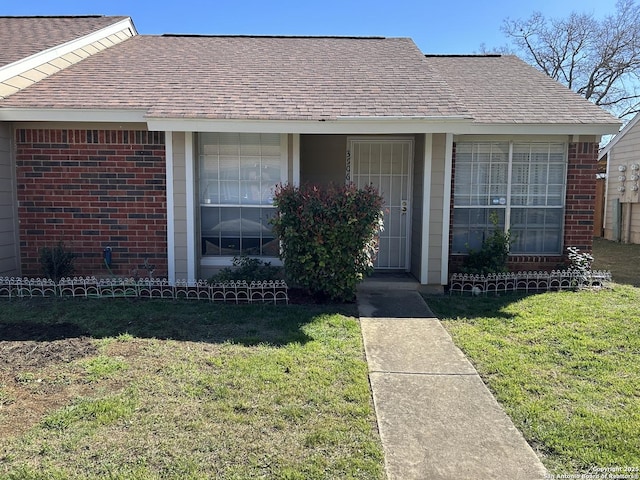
<point x="31" y="381"/>
<point x="18" y="355"/>
<point x="620" y="259"/>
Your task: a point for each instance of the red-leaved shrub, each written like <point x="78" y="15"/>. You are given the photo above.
<point x="329" y="236"/>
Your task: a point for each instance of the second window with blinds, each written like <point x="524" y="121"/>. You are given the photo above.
<point x="238" y="173"/>
<point x="522" y="185"/>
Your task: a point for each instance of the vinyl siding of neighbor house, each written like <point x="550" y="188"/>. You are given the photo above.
<point x="9" y="263"/>
<point x="18" y="82"/>
<point x="626" y="152"/>
<point x="93" y="189"/>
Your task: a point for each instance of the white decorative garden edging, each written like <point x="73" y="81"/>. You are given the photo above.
<point x="91" y="287"/>
<point x="528" y="281"/>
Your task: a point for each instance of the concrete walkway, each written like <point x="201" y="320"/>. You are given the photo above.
<point x="437" y="419"/>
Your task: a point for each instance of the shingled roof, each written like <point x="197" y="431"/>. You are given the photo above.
<point x="259" y="78"/>
<point x="307" y="78"/>
<point x="502" y="89"/>
<point x="22" y="37"/>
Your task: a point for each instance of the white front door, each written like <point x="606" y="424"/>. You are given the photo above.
<point x="386" y="164"/>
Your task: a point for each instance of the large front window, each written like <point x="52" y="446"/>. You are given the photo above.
<point x="238" y="173"/>
<point x="521" y="186"/>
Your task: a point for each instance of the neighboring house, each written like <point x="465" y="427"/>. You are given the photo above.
<point x="33" y="49"/>
<point x="168" y="148"/>
<point x="622" y="195"/>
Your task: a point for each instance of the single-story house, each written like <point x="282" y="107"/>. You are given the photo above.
<point x="168" y="148"/>
<point x="622" y="194"/>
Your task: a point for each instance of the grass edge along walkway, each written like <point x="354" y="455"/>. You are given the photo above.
<point x="564" y="367"/>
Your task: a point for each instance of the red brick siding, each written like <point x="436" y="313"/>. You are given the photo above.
<point x="91" y="189"/>
<point x="581" y="195"/>
<point x="579" y="212"/>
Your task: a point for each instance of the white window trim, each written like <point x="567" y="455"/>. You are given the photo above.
<point x="508" y="206"/>
<point x="227" y="260"/>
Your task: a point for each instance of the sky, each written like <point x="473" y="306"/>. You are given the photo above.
<point x="437" y="27"/>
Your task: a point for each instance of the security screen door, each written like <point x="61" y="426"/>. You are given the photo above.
<point x="386" y="164"/>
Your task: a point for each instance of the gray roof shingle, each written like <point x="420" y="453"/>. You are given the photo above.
<point x="22" y="37"/>
<point x="306" y="78"/>
<point x="506" y="90"/>
<point x="241" y="77"/>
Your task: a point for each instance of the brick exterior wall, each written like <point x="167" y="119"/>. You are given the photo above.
<point x="581" y="195"/>
<point x="93" y="189"/>
<point x="579" y="212"/>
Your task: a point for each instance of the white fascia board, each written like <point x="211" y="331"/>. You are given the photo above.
<point x="597" y="129"/>
<point x="352" y="126"/>
<point x="607" y="148"/>
<point x="71" y="115"/>
<point x="37" y="59"/>
<point x="409" y="118"/>
<point x="380" y="125"/>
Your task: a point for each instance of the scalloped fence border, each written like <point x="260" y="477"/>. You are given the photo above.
<point x="528" y="281"/>
<point x="240" y="292"/>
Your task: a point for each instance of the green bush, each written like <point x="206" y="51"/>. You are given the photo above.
<point x="57" y="262"/>
<point x="494" y="253"/>
<point x="247" y="269"/>
<point x="329" y="236"/>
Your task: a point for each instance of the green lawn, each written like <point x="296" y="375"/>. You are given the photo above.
<point x="565" y="366"/>
<point x="179" y="390"/>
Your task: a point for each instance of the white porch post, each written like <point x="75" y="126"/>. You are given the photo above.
<point x="296" y="160"/>
<point x="446" y="209"/>
<point x="190" y="204"/>
<point x="171" y="237"/>
<point x="426" y="207"/>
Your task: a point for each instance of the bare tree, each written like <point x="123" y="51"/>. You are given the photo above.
<point x="599" y="59"/>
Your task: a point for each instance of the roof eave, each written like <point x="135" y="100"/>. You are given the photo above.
<point x="457" y="125"/>
<point x="352" y="125"/>
<point x="44" y="56"/>
<point x="477" y="128"/>
<point x="11" y="114"/>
